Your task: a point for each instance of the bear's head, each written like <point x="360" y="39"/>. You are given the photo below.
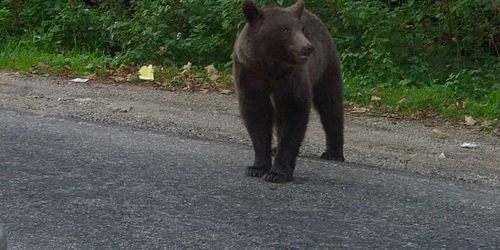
<point x="276" y="33"/>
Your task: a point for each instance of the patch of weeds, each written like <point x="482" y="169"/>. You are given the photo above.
<point x="25" y="55"/>
<point x="226" y="80"/>
<point x="167" y="72"/>
<point x="413" y="101"/>
<point x="19" y="55"/>
<point x="172" y="83"/>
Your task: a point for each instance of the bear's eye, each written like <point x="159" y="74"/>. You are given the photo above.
<point x="286" y="30"/>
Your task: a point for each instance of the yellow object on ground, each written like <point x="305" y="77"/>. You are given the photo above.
<point x="147" y="73"/>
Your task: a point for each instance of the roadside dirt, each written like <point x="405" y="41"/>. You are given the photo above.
<point x="378" y="142"/>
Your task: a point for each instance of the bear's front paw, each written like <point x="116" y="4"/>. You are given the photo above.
<point x="332" y="156"/>
<point x="275" y="177"/>
<point x="256" y="171"/>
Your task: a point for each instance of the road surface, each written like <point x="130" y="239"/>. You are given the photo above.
<point x="67" y="184"/>
<point x="110" y="166"/>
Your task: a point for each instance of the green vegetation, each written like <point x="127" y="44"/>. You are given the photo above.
<point x="430" y="53"/>
<point x="25" y="55"/>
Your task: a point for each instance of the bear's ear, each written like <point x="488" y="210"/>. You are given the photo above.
<point x="250" y="11"/>
<point x="297" y="8"/>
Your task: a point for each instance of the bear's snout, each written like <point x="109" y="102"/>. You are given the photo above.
<point x="307" y="50"/>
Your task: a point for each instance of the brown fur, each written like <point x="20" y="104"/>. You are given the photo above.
<point x="284" y="61"/>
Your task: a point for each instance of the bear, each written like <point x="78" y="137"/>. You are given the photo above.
<point x="284" y="62"/>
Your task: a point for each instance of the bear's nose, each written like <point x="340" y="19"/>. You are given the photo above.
<point x="308" y="49"/>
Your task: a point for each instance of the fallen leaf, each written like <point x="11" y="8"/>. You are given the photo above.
<point x="459" y="103"/>
<point x="125" y="70"/>
<point x="359" y="110"/>
<point x="130" y="77"/>
<point x="37" y="67"/>
<point x="213" y="74"/>
<point x="400" y="102"/>
<point x="469" y="121"/>
<point x="225" y="91"/>
<point x="438" y="134"/>
<point x="375" y="98"/>
<point x="147" y="73"/>
<point x="162" y="49"/>
<point x="119" y="79"/>
<point x="92" y="76"/>
<point x="187" y="68"/>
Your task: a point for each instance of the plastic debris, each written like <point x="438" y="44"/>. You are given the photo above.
<point x="79" y="80"/>
<point x="470" y="145"/>
<point x="147" y="73"/>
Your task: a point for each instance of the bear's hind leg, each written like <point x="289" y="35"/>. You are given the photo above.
<point x="328" y="101"/>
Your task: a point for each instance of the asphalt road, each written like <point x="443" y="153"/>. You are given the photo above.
<point x="66" y="184"/>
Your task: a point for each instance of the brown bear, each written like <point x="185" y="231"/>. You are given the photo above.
<point x="284" y="59"/>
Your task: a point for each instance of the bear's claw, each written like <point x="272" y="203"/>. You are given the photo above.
<point x="332" y="156"/>
<point x="256" y="171"/>
<point x="275" y="177"/>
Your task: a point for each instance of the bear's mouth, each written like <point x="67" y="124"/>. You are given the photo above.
<point x="298" y="58"/>
<point x="302" y="58"/>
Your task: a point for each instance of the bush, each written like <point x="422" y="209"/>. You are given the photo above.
<point x="383" y="43"/>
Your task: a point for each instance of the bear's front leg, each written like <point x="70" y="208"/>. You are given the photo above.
<point x="292" y="115"/>
<point x="257" y="112"/>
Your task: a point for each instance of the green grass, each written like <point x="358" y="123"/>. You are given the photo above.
<point x="18" y="55"/>
<point x="432" y="98"/>
<point x="25" y="55"/>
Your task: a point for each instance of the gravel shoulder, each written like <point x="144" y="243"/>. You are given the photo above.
<point x="373" y="141"/>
